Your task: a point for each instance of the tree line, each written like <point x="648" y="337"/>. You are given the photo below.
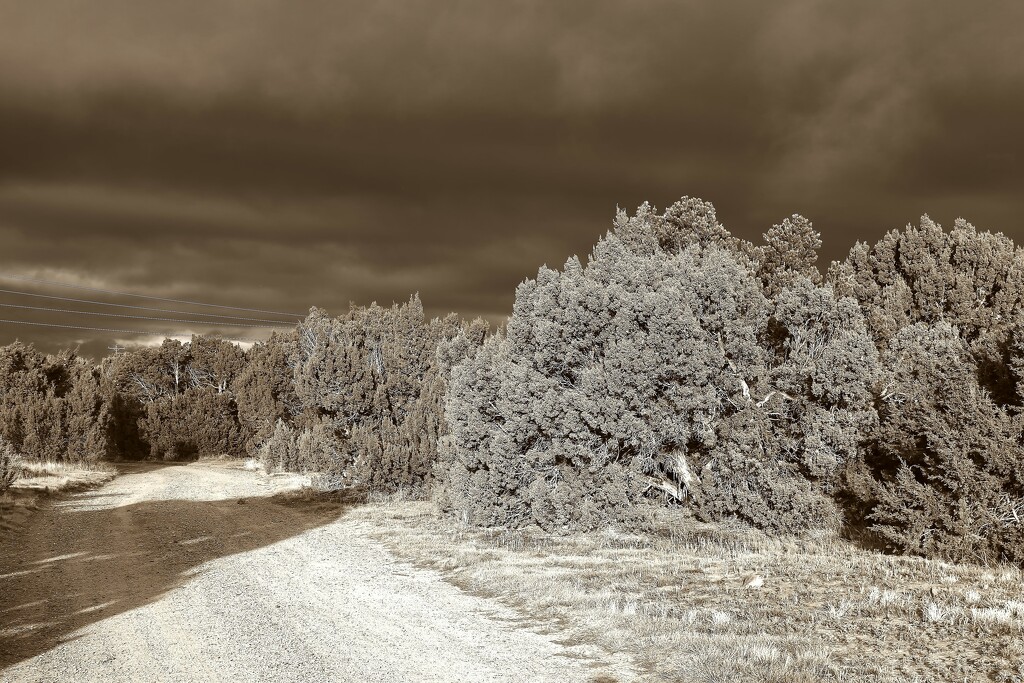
<point x="678" y="365"/>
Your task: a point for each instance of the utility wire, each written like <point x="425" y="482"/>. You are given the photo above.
<point x="142" y="317"/>
<point x="141" y="296"/>
<point x="140" y="308"/>
<point x="108" y="329"/>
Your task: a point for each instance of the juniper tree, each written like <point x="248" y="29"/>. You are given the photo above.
<point x="687" y="222"/>
<point x="369" y="386"/>
<point x="213" y="363"/>
<point x="970" y="279"/>
<point x="151" y="373"/>
<point x="277" y="450"/>
<point x="51" y="406"/>
<point x="125" y="410"/>
<point x="943" y="477"/>
<point x="661" y="369"/>
<point x="264" y="390"/>
<point x="789" y="252"/>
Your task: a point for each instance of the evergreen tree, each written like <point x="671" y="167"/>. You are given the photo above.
<point x="790" y="252"/>
<point x="264" y="390"/>
<point x="943" y="474"/>
<point x="972" y="280"/>
<point x="370" y="389"/>
<point x="661" y="369"/>
<point x="52" y="406"/>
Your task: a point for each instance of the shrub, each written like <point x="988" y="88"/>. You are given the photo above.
<point x="311" y="449"/>
<point x="51" y="406"/>
<point x="198" y="422"/>
<point x="370" y="389"/>
<point x="945" y="477"/>
<point x="661" y="369"/>
<point x="10" y="465"/>
<point x="280" y="450"/>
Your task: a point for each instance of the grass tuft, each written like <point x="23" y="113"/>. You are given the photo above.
<point x="61" y="477"/>
<point x="38" y="479"/>
<point x="674" y="602"/>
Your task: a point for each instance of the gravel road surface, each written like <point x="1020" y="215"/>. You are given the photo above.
<point x="206" y="573"/>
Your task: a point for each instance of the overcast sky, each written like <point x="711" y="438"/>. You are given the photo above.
<point x="278" y="155"/>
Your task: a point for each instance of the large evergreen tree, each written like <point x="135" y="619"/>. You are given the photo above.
<point x="663" y="369"/>
<point x="264" y="390"/>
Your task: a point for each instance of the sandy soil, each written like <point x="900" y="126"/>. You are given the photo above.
<point x="206" y="572"/>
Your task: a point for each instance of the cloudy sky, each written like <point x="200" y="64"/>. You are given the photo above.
<point x="277" y="155"/>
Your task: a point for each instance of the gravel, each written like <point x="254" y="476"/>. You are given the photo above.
<point x="162" y="575"/>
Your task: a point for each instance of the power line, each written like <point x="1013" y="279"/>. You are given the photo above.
<point x="108" y="329"/>
<point x="138" y="308"/>
<point x="142" y="317"/>
<point x="142" y="296"/>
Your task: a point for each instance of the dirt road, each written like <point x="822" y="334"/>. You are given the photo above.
<point x="201" y="573"/>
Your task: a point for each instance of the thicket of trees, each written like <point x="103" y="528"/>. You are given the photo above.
<point x="177" y="399"/>
<point x="52" y="406"/>
<point x="686" y="365"/>
<point x="679" y="365"/>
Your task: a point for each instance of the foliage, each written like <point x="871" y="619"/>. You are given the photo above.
<point x="264" y="391"/>
<point x="370" y="389"/>
<point x="789" y="253"/>
<point x="10" y="465"/>
<point x="51" y="406"/>
<point x="679" y="365"/>
<point x="945" y="475"/>
<point x="181" y="397"/>
<point x="196" y="422"/>
<point x="972" y="280"/>
<point x="661" y="369"/>
<point x="279" y="451"/>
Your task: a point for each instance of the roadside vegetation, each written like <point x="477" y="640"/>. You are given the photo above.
<point x="61" y="477"/>
<point x="10" y="466"/>
<point x="24" y="484"/>
<point x="820" y="430"/>
<point x="706" y="602"/>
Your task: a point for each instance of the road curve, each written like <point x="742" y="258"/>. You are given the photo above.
<point x="201" y="573"/>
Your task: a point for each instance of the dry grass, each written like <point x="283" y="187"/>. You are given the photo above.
<point x="59" y="477"/>
<point x="676" y="601"/>
<point x="39" y="479"/>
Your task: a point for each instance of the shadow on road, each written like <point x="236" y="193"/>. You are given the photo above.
<point x="77" y="565"/>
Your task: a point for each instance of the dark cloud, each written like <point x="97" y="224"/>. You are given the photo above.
<point x="268" y="155"/>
